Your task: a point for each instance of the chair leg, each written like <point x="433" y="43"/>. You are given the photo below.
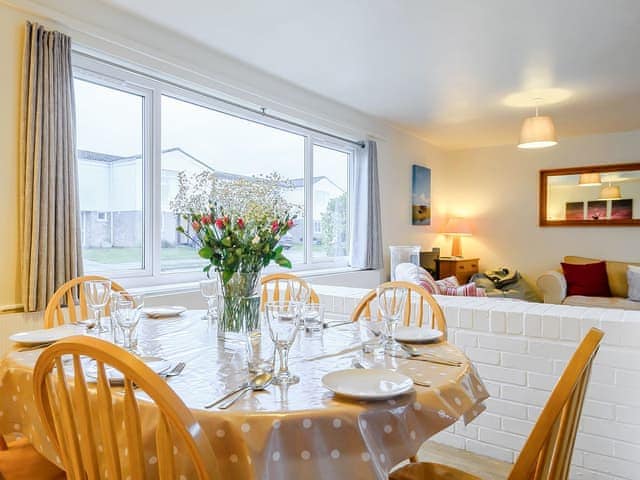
<point x="413" y="459"/>
<point x="3" y="443"/>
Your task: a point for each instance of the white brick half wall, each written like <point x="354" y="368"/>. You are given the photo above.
<point x="520" y="350"/>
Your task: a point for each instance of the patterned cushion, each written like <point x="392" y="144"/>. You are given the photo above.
<point x="449" y="282"/>
<point x="468" y="290"/>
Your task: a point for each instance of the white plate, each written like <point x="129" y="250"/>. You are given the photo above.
<point x="417" y="334"/>
<point x="367" y="384"/>
<point x="164" y="311"/>
<point x="157" y="364"/>
<point x="46" y="335"/>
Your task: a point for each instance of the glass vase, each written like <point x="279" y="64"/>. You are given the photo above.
<point x="239" y="306"/>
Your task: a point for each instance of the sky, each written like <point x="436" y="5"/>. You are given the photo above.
<point x="110" y="121"/>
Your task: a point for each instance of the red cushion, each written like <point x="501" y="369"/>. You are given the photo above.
<point x="589" y="280"/>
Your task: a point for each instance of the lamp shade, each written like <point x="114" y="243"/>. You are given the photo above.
<point x="587" y="179"/>
<point x="537" y="132"/>
<point x="610" y="193"/>
<point x="458" y="226"/>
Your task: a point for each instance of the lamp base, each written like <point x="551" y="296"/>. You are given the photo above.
<point x="456" y="247"/>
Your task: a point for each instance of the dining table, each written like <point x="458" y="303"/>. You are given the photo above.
<point x="302" y="430"/>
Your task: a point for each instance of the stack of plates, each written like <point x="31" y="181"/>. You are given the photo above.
<point x="163" y="311"/>
<point x="417" y="335"/>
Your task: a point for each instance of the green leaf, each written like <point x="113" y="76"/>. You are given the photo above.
<point x="226" y="241"/>
<point x="278" y="250"/>
<point x="205" y="252"/>
<point x="226" y="276"/>
<point x="283" y="262"/>
<point x="180" y="229"/>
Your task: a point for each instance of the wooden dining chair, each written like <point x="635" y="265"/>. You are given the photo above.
<point x="274" y="280"/>
<point x="414" y="310"/>
<point x="85" y="413"/>
<point x="547" y="452"/>
<point x="20" y="461"/>
<point x="64" y="297"/>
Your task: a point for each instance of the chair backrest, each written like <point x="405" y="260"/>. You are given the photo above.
<point x="65" y="295"/>
<point x="416" y="297"/>
<point x="547" y="453"/>
<point x="80" y="419"/>
<point x="274" y="281"/>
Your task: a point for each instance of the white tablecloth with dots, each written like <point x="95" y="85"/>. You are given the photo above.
<point x="303" y="431"/>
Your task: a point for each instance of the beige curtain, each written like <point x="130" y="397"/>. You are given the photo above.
<point x="50" y="241"/>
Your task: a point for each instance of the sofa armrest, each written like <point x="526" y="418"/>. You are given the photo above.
<point x="553" y="286"/>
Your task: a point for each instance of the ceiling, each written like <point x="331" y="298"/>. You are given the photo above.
<point x="440" y="68"/>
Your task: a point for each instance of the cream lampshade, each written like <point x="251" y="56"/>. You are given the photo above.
<point x="537" y="132"/>
<point x="610" y="192"/>
<point x="587" y="179"/>
<point x="457" y="228"/>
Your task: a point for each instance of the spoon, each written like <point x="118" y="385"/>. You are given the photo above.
<point x="259" y="382"/>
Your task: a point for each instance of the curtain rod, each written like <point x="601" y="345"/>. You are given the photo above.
<point x="261" y="111"/>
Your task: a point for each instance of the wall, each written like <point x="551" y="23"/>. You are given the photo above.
<point x="497" y="187"/>
<point x="97" y="27"/>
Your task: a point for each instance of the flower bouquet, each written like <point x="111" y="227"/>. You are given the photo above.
<point x="236" y="224"/>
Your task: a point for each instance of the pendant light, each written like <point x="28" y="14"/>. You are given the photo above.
<point x="589" y="179"/>
<point x="537" y="132"/>
<point x="610" y="192"/>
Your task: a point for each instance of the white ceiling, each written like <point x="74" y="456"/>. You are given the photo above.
<point x="438" y="67"/>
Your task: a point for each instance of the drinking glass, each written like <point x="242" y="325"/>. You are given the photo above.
<point x="391" y="302"/>
<point x="372" y="336"/>
<point x="260" y="356"/>
<point x="128" y="311"/>
<point x="209" y="290"/>
<point x="97" y="293"/>
<point x="313" y="318"/>
<point x="299" y="291"/>
<point x="283" y="319"/>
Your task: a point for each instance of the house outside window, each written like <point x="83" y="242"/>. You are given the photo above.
<point x="135" y="136"/>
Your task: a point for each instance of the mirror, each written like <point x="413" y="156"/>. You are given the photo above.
<point x="597" y="195"/>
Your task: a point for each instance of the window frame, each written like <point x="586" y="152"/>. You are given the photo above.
<point x="123" y="78"/>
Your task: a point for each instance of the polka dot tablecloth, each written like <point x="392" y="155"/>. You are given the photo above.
<point x="300" y="431"/>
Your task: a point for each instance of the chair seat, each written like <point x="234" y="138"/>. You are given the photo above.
<point x="22" y="462"/>
<point x="430" y="471"/>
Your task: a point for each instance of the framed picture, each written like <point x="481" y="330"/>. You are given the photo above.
<point x="622" y="209"/>
<point x="421" y="196"/>
<point x="596" y="209"/>
<point x="574" y="211"/>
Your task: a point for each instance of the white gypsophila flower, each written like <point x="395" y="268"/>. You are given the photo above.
<point x="256" y="240"/>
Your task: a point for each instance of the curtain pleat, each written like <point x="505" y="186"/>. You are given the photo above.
<point x="366" y="225"/>
<point x="50" y="234"/>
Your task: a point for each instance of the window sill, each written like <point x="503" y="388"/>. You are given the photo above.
<point x="189" y="287"/>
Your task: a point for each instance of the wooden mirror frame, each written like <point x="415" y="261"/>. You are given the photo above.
<point x="545" y="174"/>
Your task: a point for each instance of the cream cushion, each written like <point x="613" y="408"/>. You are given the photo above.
<point x="616" y="273"/>
<point x="601" y="302"/>
<point x="633" y="277"/>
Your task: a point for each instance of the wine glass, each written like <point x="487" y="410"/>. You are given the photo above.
<point x="391" y="302"/>
<point x="209" y="290"/>
<point x="128" y="312"/>
<point x="97" y="293"/>
<point x="299" y="291"/>
<point x="283" y="319"/>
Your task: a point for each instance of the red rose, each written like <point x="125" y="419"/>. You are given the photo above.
<point x="240" y="223"/>
<point x="195" y="225"/>
<point x="220" y="223"/>
<point x="275" y="226"/>
<point x="290" y="223"/>
<point x="206" y="219"/>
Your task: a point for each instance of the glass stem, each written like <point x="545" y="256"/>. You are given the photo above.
<point x="391" y="327"/>
<point x="283" y="353"/>
<point x="97" y="314"/>
<point x="129" y="335"/>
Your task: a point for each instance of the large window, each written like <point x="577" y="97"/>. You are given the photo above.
<point x="137" y="134"/>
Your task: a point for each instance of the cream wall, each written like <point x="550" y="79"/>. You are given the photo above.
<point x="497" y="187"/>
<point x="96" y="26"/>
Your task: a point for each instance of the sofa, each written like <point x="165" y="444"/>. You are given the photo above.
<point x="553" y="286"/>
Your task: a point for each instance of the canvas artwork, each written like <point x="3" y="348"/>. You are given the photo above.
<point x="574" y="211"/>
<point x="622" y="209"/>
<point x="421" y="196"/>
<point x="596" y="209"/>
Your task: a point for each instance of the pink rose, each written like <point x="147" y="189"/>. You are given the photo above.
<point x="290" y="223"/>
<point x="220" y="223"/>
<point x="275" y="226"/>
<point x="195" y="225"/>
<point x="206" y="219"/>
<point x="240" y="223"/>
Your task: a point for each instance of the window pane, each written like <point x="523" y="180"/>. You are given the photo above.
<point x="197" y="139"/>
<point x="110" y="169"/>
<point x="330" y="203"/>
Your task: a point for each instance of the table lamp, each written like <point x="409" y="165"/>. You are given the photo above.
<point x="457" y="228"/>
